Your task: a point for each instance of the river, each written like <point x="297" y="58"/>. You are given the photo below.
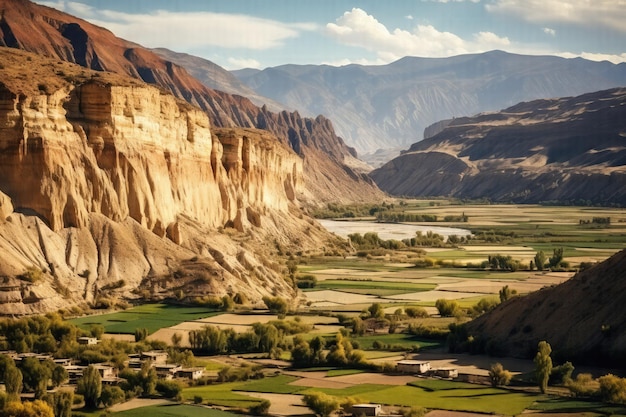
<point x="386" y="231"/>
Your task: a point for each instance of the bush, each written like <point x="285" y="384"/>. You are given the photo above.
<point x="613" y="389"/>
<point x="582" y="386"/>
<point x="197" y="399"/>
<point x="276" y="305"/>
<point x="260" y="409"/>
<point x="498" y="375"/>
<point x="169" y="389"/>
<point x="415" y="312"/>
<point x="448" y="308"/>
<point x="32" y="275"/>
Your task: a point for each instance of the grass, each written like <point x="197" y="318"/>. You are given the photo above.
<point x="341" y="372"/>
<point x="455" y="397"/>
<point x="405" y="341"/>
<point x="580" y="407"/>
<point x="174" y="410"/>
<point x="371" y="287"/>
<point x="221" y="395"/>
<point x="150" y="316"/>
<point x="275" y="384"/>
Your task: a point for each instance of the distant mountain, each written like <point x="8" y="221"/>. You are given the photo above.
<point x="583" y="319"/>
<point x="335" y="173"/>
<point x="216" y="77"/>
<point x="389" y="106"/>
<point x="569" y="149"/>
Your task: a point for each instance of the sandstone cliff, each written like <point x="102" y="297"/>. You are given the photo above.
<point x="328" y="176"/>
<point x="107" y="182"/>
<point x="569" y="150"/>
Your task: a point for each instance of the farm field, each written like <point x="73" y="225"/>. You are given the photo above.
<point x="174" y="410"/>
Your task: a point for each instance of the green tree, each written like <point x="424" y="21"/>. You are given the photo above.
<point x="96" y="330"/>
<point x="261" y="409"/>
<point x="540" y="260"/>
<point x="358" y="326"/>
<point x="447" y="308"/>
<point x="543" y="365"/>
<point x="506" y="293"/>
<point x="141" y="334"/>
<point x="59" y="375"/>
<point x="169" y="389"/>
<point x="376" y="310"/>
<point x="61" y="402"/>
<point x="112" y="395"/>
<point x="35" y="375"/>
<point x="13" y="382"/>
<point x="90" y="386"/>
<point x="176" y="339"/>
<point x="556" y="258"/>
<point x="147" y="379"/>
<point x="35" y="408"/>
<point x="415" y="312"/>
<point x="276" y="305"/>
<point x="582" y="386"/>
<point x="320" y="403"/>
<point x="498" y="375"/>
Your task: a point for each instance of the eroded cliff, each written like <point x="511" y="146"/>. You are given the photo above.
<point x="107" y="181"/>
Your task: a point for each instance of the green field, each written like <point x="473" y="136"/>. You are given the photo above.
<point x="580" y="407"/>
<point x="174" y="410"/>
<point x="372" y="287"/>
<point x="150" y="316"/>
<point x="405" y="341"/>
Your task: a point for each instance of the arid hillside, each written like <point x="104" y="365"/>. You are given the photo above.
<point x="331" y="170"/>
<point x="111" y="188"/>
<point x="568" y="150"/>
<point x="583" y="318"/>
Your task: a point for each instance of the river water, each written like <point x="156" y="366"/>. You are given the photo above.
<point x="386" y="231"/>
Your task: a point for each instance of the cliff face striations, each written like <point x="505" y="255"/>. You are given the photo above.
<point x="106" y="180"/>
<point x="54" y="34"/>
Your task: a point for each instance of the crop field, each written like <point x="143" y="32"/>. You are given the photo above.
<point x="174" y="410"/>
<point x="150" y="316"/>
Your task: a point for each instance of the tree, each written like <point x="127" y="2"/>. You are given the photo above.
<point x="96" y="330"/>
<point x="169" y="389"/>
<point x="35" y="375"/>
<point x="141" y="334"/>
<point x="506" y="293"/>
<point x="13" y="382"/>
<point x="498" y="375"/>
<point x="147" y="378"/>
<point x="321" y="403"/>
<point x="358" y="326"/>
<point x="582" y="386"/>
<point x="447" y="308"/>
<point x="59" y="375"/>
<point x="556" y="258"/>
<point x="90" y="386"/>
<point x="415" y="312"/>
<point x="112" y="395"/>
<point x="543" y="365"/>
<point x="376" y="310"/>
<point x="61" y="402"/>
<point x="540" y="260"/>
<point x="176" y="339"/>
<point x="260" y="409"/>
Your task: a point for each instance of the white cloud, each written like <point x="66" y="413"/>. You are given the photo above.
<point x="549" y="31"/>
<point x="357" y="28"/>
<point x="604" y="13"/>
<point x="189" y="30"/>
<point x="409" y="17"/>
<point x="239" y="63"/>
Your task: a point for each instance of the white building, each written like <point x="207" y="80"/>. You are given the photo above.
<point x="413" y="367"/>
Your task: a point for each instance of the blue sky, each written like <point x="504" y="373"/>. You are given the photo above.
<point x="264" y="33"/>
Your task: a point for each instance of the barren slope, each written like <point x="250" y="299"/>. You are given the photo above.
<point x="583" y="319"/>
<point x="570" y="150"/>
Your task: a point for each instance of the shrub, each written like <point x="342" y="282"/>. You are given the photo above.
<point x="32" y="275"/>
<point x="197" y="399"/>
<point x="169" y="389"/>
<point x="447" y="308"/>
<point x="498" y="375"/>
<point x="260" y="409"/>
<point x="415" y="312"/>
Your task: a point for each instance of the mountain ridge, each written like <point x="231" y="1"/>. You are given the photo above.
<point x="389" y="106"/>
<point x="566" y="150"/>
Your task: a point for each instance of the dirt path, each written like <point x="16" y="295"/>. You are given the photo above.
<point x="137" y="403"/>
<point x="283" y="404"/>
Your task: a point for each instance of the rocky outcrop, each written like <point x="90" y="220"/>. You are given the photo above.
<point x="568" y="150"/>
<point x="110" y="186"/>
<point x="51" y="33"/>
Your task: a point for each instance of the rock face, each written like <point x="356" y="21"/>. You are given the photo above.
<point x="567" y="150"/>
<point x="582" y="318"/>
<point x="389" y="106"/>
<point x="109" y="184"/>
<point x="51" y="33"/>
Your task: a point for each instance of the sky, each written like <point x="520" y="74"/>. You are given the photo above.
<point x="239" y="34"/>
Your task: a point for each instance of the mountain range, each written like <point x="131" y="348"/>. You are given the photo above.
<point x="570" y="149"/>
<point x="389" y="106"/>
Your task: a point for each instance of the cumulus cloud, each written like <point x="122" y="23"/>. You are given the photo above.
<point x="357" y="28"/>
<point x="189" y="30"/>
<point x="604" y="13"/>
<point x="549" y="31"/>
